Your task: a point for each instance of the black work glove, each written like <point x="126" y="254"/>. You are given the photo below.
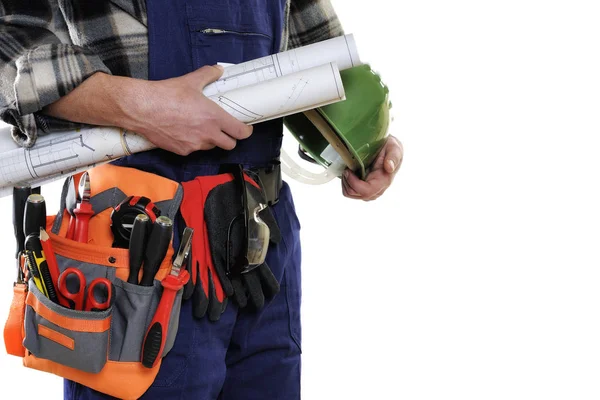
<point x="226" y="234"/>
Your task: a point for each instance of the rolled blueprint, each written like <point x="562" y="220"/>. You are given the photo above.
<point x="61" y="154"/>
<point x="288" y="94"/>
<point x="340" y="50"/>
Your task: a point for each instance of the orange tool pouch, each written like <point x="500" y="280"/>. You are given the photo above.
<point x="99" y="349"/>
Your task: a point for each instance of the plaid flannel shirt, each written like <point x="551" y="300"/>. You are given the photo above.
<point x="49" y="47"/>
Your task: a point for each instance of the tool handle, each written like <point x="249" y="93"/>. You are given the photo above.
<point x="137" y="246"/>
<point x="20" y="195"/>
<point x="156" y="336"/>
<point x="159" y="242"/>
<point x="34" y="215"/>
<point x="83" y="214"/>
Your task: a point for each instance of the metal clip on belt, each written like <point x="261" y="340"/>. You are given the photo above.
<point x="270" y="178"/>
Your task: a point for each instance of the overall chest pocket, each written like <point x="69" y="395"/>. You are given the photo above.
<point x="231" y="33"/>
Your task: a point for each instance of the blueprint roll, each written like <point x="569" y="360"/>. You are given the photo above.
<point x="340" y="50"/>
<point x="61" y="154"/>
<point x="290" y="94"/>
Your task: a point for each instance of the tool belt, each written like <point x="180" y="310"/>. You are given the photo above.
<point x="104" y="349"/>
<point x="99" y="349"/>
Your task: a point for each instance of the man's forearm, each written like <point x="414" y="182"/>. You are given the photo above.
<point x="103" y="99"/>
<point x="172" y="113"/>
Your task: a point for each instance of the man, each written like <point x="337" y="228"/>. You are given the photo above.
<point x="142" y="66"/>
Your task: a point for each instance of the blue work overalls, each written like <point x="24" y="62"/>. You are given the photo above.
<point x="245" y="355"/>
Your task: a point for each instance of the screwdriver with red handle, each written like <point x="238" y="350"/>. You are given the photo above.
<point x="156" y="336"/>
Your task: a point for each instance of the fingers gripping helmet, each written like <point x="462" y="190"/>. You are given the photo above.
<point x="349" y="133"/>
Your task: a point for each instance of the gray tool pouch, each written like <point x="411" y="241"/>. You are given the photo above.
<point x="85" y="340"/>
<point x="76" y="339"/>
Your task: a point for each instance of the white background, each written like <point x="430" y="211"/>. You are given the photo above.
<point x="477" y="276"/>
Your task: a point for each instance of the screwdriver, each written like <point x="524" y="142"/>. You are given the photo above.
<point x="159" y="241"/>
<point x="20" y="195"/>
<point x="34" y="216"/>
<point x="137" y="246"/>
<point x="84" y="210"/>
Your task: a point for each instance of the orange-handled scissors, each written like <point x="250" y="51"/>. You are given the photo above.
<point x="72" y="286"/>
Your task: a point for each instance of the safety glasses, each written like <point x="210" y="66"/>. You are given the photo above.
<point x="256" y="233"/>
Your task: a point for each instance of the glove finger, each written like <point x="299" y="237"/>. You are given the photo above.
<point x="270" y="284"/>
<point x="225" y="282"/>
<point x="239" y="293"/>
<point x="215" y="307"/>
<point x="217" y="266"/>
<point x="188" y="290"/>
<point x="255" y="293"/>
<point x="199" y="299"/>
<point x="224" y="306"/>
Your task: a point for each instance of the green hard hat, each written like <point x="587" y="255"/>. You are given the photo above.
<point x="355" y="128"/>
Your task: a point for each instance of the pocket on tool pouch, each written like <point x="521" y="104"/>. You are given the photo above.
<point x="133" y="310"/>
<point x="76" y="339"/>
<point x="218" y="36"/>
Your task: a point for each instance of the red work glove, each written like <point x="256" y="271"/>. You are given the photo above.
<point x="209" y="206"/>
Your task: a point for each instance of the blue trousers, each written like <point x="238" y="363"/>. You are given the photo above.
<point x="246" y="355"/>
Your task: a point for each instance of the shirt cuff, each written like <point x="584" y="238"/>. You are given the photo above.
<point x="49" y="72"/>
<point x="27" y="128"/>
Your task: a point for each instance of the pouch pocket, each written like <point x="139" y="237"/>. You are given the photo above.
<point x="76" y="339"/>
<point x="133" y="311"/>
<point x="217" y="36"/>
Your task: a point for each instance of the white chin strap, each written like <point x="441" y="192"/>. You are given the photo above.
<point x="301" y="174"/>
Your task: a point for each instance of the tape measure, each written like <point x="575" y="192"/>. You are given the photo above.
<point x="123" y="216"/>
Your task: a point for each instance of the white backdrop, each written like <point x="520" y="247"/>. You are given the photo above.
<point x="477" y="275"/>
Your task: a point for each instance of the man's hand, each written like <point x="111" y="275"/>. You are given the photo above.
<point x="173" y="113"/>
<point x="176" y="116"/>
<point x="380" y="178"/>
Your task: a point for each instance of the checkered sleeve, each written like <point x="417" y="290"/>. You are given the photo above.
<point x="311" y="21"/>
<point x="38" y="65"/>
